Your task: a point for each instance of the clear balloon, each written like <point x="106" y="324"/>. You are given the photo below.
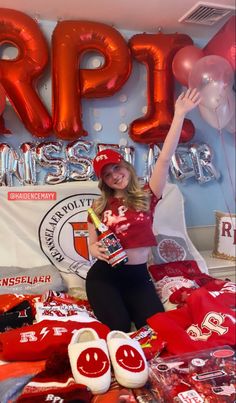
<point x="218" y="106"/>
<point x="211" y="69"/>
<point x="43" y="151"/>
<point x="184" y="62"/>
<point x="213" y="76"/>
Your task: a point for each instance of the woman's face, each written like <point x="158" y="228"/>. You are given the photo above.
<point x="116" y="176"/>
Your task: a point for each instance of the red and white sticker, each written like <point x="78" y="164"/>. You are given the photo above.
<point x="190" y="396"/>
<point x="223" y="353"/>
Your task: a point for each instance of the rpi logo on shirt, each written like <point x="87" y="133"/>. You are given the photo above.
<point x="63" y="234"/>
<point x="52" y="398"/>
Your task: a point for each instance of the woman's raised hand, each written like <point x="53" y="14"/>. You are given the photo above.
<point x="187" y="101"/>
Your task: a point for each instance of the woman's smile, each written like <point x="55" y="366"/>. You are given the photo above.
<point x="116" y="176"/>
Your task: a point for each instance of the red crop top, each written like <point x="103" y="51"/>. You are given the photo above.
<point x="133" y="228"/>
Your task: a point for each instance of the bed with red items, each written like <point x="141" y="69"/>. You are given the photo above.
<point x="38" y="332"/>
<point x="197" y="331"/>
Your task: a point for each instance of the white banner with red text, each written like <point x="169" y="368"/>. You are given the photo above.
<point x="47" y="224"/>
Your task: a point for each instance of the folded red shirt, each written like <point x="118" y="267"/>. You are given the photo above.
<point x="203" y="322"/>
<point x="38" y="341"/>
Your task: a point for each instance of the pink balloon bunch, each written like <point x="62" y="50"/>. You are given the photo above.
<point x="213" y="76"/>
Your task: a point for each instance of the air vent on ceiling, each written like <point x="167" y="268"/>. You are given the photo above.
<point x="206" y="13"/>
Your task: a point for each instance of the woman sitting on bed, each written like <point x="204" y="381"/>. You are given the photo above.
<point x="126" y="294"/>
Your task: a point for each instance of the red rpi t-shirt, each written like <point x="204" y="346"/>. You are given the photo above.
<point x="133" y="228"/>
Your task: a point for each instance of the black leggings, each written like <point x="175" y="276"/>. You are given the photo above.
<point x="119" y="296"/>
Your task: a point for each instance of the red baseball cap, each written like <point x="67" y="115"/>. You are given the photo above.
<point x="104" y="158"/>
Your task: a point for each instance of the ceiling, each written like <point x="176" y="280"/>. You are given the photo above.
<point x="132" y="15"/>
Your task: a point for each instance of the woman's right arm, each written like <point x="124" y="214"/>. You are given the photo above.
<point x="96" y="248"/>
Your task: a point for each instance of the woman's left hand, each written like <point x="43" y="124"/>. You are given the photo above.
<point x="187" y="101"/>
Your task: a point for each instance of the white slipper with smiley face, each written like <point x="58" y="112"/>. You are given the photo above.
<point x="89" y="360"/>
<point x="128" y="360"/>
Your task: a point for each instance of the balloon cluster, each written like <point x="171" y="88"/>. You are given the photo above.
<point x="72" y="162"/>
<point x="164" y="57"/>
<point x="210" y="70"/>
<point x="24" y="166"/>
<point x="71" y="40"/>
<point x="65" y="162"/>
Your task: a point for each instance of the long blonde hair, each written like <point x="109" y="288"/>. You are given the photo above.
<point x="134" y="197"/>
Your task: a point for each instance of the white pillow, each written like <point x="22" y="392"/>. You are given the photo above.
<point x="170" y="249"/>
<point x="35" y="280"/>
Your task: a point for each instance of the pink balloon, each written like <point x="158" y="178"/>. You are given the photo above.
<point x="184" y="61"/>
